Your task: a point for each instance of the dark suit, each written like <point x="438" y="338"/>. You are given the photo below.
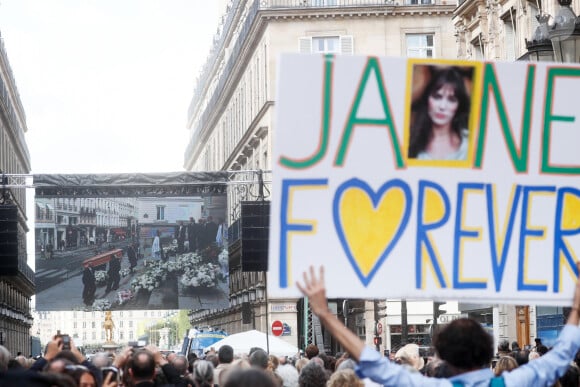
<point x="89" y="286"/>
<point x="114" y="274"/>
<point x="192" y="235"/>
<point x="211" y="232"/>
<point x="132" y="257"/>
<point x="181" y="235"/>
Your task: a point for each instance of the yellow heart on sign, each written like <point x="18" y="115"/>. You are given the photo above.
<point x="370" y="223"/>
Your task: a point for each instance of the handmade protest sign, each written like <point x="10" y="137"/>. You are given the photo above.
<point x="426" y="179"/>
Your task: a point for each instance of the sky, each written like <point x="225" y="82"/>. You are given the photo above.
<point x="106" y="84"/>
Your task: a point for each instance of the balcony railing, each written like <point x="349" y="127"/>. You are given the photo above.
<point x="269" y="4"/>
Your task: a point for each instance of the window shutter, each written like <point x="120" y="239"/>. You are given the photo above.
<point x="346" y="45"/>
<point x="510" y="49"/>
<point x="305" y="45"/>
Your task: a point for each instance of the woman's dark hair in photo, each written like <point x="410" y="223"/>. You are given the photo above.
<point x="464" y="344"/>
<point x="421" y="126"/>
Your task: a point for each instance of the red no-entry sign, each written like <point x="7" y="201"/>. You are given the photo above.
<point x="277" y="328"/>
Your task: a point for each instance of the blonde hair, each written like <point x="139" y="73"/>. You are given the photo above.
<point x="409" y="354"/>
<point x="505" y="363"/>
<point x="344" y="378"/>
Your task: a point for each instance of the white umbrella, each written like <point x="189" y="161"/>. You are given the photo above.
<point x="243" y="342"/>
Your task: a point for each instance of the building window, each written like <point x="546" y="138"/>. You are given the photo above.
<point x="160" y="213"/>
<point x="131" y="335"/>
<point x="419" y="2"/>
<point x="510" y="42"/>
<point x="420" y="46"/>
<point x="322" y="3"/>
<point x="326" y="44"/>
<point x="477" y="49"/>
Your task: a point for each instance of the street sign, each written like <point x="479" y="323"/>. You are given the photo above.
<point x="379" y="328"/>
<point x="277" y="328"/>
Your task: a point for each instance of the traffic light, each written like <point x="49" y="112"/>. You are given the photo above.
<point x="380" y="307"/>
<point x="377" y="341"/>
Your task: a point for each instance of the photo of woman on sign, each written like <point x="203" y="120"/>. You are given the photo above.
<point x="440" y="113"/>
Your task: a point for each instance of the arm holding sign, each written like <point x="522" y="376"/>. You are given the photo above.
<point x="376" y="367"/>
<point x="315" y="290"/>
<point x="463" y="344"/>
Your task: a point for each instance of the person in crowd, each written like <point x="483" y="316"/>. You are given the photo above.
<point x="181" y="234"/>
<point x="203" y="374"/>
<point x="409" y="354"/>
<point x="192" y="231"/>
<point x="83" y="377"/>
<point x="132" y="256"/>
<point x="101" y="360"/>
<point x="5" y="357"/>
<point x="440" y="116"/>
<point x="505" y="363"/>
<point x="300" y="363"/>
<point x="211" y="228"/>
<point x="463" y="344"/>
<point x="191" y="359"/>
<point x="23" y="361"/>
<point x="114" y="274"/>
<point x="521" y="356"/>
<point x="249" y="378"/>
<point x="56" y="359"/>
<point x="259" y="359"/>
<point x="50" y="250"/>
<point x="515" y="346"/>
<point x="89" y="284"/>
<point x="141" y="365"/>
<point x="312" y="375"/>
<point x="288" y="374"/>
<point x="237" y="365"/>
<point x="225" y="358"/>
<point x="311" y="351"/>
<point x="503" y="348"/>
<point x="344" y="378"/>
<point x="179" y="362"/>
<point x="213" y="359"/>
<point x="571" y="378"/>
<point x="273" y="362"/>
<point x="222" y="233"/>
<point x="542" y="349"/>
<point x="533" y="356"/>
<point x="156" y="246"/>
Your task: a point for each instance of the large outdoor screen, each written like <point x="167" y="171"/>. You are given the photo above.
<point x="131" y="241"/>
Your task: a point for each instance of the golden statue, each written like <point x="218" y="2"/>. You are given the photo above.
<point x="109" y="326"/>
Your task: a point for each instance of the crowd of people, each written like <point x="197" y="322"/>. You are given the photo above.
<point x="199" y="235"/>
<point x="462" y="360"/>
<point x="148" y="367"/>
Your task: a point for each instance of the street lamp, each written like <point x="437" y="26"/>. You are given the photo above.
<point x="559" y="41"/>
<point x="565" y="34"/>
<point x="540" y="46"/>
